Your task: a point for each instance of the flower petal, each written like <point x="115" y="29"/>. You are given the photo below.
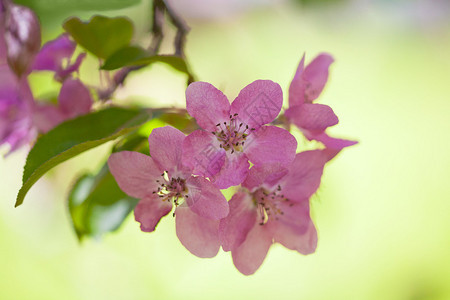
<point x="313" y="117"/>
<point x="304" y="175"/>
<point x="21" y="135"/>
<point x="333" y="145"/>
<point x="265" y="174"/>
<point x="62" y="74"/>
<point x="16" y="107"/>
<point x="305" y="243"/>
<point x="166" y="144"/>
<point x="46" y="117"/>
<point x="295" y="215"/>
<point x="198" y="234"/>
<point x="258" y="103"/>
<point x="207" y="105"/>
<point x="51" y="55"/>
<point x="270" y="144"/>
<point x="150" y="210"/>
<point x="3" y="50"/>
<point x="242" y="217"/>
<point x="298" y="86"/>
<point x="202" y="153"/>
<point x="316" y="74"/>
<point x="249" y="256"/>
<point x="74" y="98"/>
<point x="233" y="171"/>
<point x="205" y="199"/>
<point x="135" y="173"/>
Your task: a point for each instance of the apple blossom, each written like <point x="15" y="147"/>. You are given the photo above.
<point x="232" y="135"/>
<point x="161" y="182"/>
<point x="273" y="206"/>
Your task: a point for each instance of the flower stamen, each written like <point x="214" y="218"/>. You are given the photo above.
<point x="268" y="204"/>
<point x="233" y="135"/>
<point x="171" y="189"/>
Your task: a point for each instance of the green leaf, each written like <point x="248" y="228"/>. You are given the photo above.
<point x="102" y="36"/>
<point x="97" y="205"/>
<point x="133" y="142"/>
<point x="74" y="137"/>
<point x="182" y="122"/>
<point x="137" y="56"/>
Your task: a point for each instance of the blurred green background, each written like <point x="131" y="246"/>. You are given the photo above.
<point x="382" y="211"/>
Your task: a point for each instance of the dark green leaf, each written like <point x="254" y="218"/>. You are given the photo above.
<point x="74" y="137"/>
<point x="102" y="36"/>
<point x="137" y="56"/>
<point x="97" y="205"/>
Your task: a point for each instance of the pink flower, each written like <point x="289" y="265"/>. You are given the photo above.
<point x="234" y="134"/>
<point x="20" y="44"/>
<point x="55" y="55"/>
<point x="20" y="116"/>
<point x="161" y="182"/>
<point x="16" y="127"/>
<point x="16" y="101"/>
<point x="74" y="100"/>
<point x="312" y="118"/>
<point x="273" y="206"/>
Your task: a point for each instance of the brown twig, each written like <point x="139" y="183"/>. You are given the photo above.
<point x="159" y="8"/>
<point x="180" y="38"/>
<point x="157" y="26"/>
<point x="182" y="30"/>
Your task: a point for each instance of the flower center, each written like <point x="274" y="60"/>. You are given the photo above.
<point x="171" y="189"/>
<point x="232" y="134"/>
<point x="268" y="204"/>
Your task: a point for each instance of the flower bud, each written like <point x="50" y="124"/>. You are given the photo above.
<point x="22" y="37"/>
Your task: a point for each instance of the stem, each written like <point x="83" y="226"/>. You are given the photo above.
<point x="157" y="26"/>
<point x="182" y="30"/>
<point x="159" y="8"/>
<point x="180" y="38"/>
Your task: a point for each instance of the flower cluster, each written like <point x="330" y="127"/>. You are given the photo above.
<point x="244" y="145"/>
<point x="21" y="117"/>
<point x="236" y="146"/>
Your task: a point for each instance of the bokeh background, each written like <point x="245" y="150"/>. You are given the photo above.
<point x="382" y="211"/>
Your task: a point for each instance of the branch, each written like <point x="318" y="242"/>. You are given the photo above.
<point x="182" y="30"/>
<point x="159" y="8"/>
<point x="157" y="26"/>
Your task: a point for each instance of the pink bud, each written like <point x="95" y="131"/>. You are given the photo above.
<point x="22" y="37"/>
